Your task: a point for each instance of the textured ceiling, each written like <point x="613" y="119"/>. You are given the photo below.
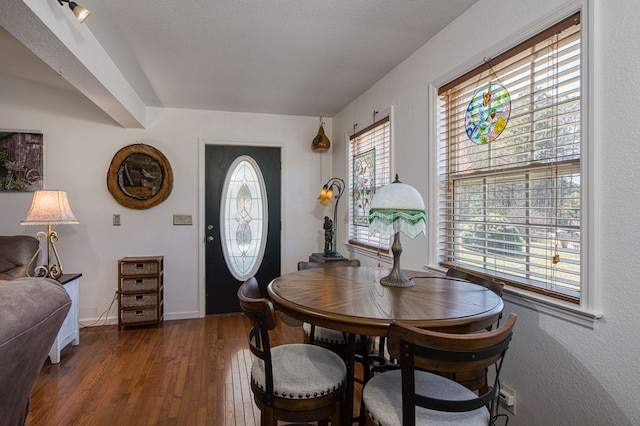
<point x="272" y="56"/>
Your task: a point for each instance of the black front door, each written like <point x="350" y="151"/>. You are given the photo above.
<point x="240" y="235"/>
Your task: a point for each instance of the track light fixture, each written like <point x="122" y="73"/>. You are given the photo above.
<point x="80" y="12"/>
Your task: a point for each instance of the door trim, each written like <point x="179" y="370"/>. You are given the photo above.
<point x="202" y="143"/>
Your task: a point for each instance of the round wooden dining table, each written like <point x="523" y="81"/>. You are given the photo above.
<point x="352" y="300"/>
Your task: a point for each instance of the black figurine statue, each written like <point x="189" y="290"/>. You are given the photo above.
<point x="328" y="235"/>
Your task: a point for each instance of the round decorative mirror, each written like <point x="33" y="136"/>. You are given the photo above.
<point x="139" y="177"/>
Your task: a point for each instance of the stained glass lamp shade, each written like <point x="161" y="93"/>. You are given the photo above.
<point x="396" y="208"/>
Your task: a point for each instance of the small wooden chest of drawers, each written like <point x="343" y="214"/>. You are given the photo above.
<point x="140" y="290"/>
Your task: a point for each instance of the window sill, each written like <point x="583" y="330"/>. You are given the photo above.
<point x="368" y="253"/>
<point x="552" y="307"/>
<point x="546" y="305"/>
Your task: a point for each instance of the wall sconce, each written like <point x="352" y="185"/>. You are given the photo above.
<point x="396" y="208"/>
<point x="331" y="227"/>
<point x="321" y="142"/>
<point x="49" y="208"/>
<point x="80" y="12"/>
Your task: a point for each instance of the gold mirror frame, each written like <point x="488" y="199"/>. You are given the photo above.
<point x="139" y="177"/>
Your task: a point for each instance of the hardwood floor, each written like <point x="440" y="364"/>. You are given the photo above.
<point x="187" y="372"/>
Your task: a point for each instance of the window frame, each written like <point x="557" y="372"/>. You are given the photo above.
<point x="587" y="312"/>
<point x="376" y="244"/>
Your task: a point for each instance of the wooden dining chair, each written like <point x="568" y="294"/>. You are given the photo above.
<point x="495" y="286"/>
<point x="413" y="396"/>
<point x="292" y="382"/>
<point x="326" y="337"/>
<point x="313" y="265"/>
<point x="476" y="380"/>
<point x="459" y="274"/>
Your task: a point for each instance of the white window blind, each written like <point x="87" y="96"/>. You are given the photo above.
<point x="369" y="169"/>
<point x="510" y="208"/>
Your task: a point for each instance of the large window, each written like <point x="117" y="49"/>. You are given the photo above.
<point x="369" y="169"/>
<point x="509" y="174"/>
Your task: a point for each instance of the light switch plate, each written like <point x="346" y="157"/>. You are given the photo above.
<point x="116" y="220"/>
<point x="182" y="219"/>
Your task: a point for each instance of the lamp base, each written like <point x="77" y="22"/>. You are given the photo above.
<point x="396" y="278"/>
<point x="48" y="271"/>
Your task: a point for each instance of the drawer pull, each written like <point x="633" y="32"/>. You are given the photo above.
<point x="139" y="265"/>
<point x="139" y="312"/>
<point x="139" y="281"/>
<point x="137" y="301"/>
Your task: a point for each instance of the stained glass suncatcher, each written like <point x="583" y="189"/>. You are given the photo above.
<point x="487" y="114"/>
<point x="364" y="179"/>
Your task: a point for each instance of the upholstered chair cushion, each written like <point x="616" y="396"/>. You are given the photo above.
<point x="301" y="371"/>
<point x="15" y="253"/>
<point x="327" y="335"/>
<point x="383" y="398"/>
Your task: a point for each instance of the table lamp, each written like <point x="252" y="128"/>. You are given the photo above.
<point x="326" y="198"/>
<point x="49" y="208"/>
<point x="396" y="208"/>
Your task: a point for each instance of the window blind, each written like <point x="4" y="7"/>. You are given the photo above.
<point x="369" y="169"/>
<point x="510" y="208"/>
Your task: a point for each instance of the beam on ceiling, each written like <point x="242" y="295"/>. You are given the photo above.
<point x="54" y="35"/>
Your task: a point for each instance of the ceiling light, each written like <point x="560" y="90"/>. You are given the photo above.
<point x="321" y="142"/>
<point x="80" y="12"/>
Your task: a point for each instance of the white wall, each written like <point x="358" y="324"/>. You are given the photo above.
<point x="79" y="143"/>
<point x="563" y="373"/>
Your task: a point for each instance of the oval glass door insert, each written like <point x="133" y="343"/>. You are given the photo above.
<point x="244" y="218"/>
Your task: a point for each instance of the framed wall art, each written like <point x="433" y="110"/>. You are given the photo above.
<point x="21" y="161"/>
<point x="139" y="177"/>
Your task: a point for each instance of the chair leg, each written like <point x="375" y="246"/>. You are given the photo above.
<point x="266" y="418"/>
<point x="312" y="334"/>
<point x="336" y="418"/>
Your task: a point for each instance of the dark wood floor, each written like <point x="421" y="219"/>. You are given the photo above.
<point x="187" y="372"/>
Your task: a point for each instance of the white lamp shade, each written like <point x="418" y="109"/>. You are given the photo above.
<point x="397" y="207"/>
<point x="50" y="207"/>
